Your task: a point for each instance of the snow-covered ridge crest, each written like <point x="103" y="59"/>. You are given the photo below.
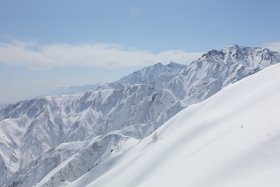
<point x="255" y="57"/>
<point x="231" y="139"/>
<point x="132" y="107"/>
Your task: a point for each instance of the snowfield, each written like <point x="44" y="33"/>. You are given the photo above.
<point x="230" y="140"/>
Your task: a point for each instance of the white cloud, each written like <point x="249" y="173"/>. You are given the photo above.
<point x="275" y="46"/>
<point x="34" y="55"/>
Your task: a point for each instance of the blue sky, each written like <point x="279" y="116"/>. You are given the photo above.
<point x="50" y="44"/>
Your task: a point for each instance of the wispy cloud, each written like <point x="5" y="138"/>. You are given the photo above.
<point x="275" y="46"/>
<point x="35" y="55"/>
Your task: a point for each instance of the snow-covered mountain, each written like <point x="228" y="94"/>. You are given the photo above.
<point x="54" y="139"/>
<point x="229" y="140"/>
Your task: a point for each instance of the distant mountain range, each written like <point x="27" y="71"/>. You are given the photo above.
<point x="54" y="140"/>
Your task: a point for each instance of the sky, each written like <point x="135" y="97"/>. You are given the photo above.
<point x="51" y="44"/>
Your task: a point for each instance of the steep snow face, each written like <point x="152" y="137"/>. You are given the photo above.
<point x="216" y="69"/>
<point x="151" y="75"/>
<point x="65" y="163"/>
<point x="132" y="107"/>
<point x="231" y="139"/>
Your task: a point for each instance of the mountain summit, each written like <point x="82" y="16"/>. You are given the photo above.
<point x="254" y="57"/>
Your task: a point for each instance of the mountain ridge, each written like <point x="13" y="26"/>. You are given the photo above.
<point x="133" y="107"/>
<point x="230" y="139"/>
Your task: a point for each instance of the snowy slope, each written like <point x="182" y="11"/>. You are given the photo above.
<point x="49" y="134"/>
<point x="230" y="140"/>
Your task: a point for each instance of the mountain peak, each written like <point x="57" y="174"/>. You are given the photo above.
<point x="158" y="64"/>
<point x="233" y="46"/>
<point x="175" y="65"/>
<point x="235" y="54"/>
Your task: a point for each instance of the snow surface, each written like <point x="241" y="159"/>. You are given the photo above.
<point x="54" y="140"/>
<point x="230" y="140"/>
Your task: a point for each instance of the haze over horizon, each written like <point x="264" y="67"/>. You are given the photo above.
<point x="48" y="45"/>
